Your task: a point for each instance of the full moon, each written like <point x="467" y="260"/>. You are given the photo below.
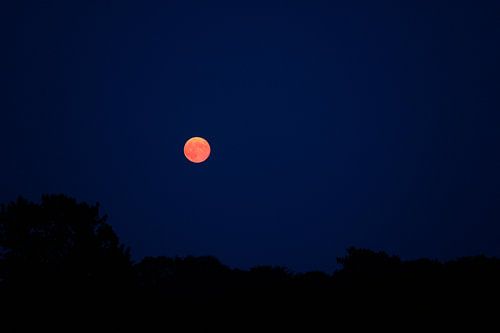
<point x="197" y="149"/>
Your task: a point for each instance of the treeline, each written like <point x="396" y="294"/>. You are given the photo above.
<point x="62" y="247"/>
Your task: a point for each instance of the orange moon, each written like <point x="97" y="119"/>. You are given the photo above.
<point x="197" y="149"/>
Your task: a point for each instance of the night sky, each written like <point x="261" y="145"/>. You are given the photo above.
<point x="367" y="123"/>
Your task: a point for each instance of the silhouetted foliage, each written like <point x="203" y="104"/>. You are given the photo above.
<point x="60" y="245"/>
<point x="193" y="277"/>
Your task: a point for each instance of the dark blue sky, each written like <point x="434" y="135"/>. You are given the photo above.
<point x="366" y="123"/>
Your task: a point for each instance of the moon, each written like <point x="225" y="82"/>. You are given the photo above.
<point x="197" y="149"/>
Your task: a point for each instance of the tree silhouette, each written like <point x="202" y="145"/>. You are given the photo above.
<point x="182" y="277"/>
<point x="62" y="247"/>
<point x="59" y="243"/>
